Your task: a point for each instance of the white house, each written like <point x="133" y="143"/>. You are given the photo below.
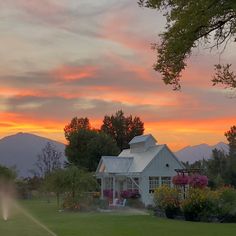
<point x="143" y="167"/>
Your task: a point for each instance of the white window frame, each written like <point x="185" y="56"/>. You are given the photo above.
<point x="153" y="183"/>
<point x="131" y="185"/>
<point x="166" y="180"/>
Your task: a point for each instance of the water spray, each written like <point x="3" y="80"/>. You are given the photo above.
<point x="5" y="208"/>
<point x="7" y="201"/>
<point x="37" y="222"/>
<point x="6" y="197"/>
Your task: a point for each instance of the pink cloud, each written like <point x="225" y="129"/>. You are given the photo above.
<point x="69" y="73"/>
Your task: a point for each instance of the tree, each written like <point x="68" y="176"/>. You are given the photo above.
<point x="85" y="148"/>
<point x="190" y="23"/>
<point x="48" y="160"/>
<point x="231" y="171"/>
<point x="231" y="137"/>
<point x="56" y="182"/>
<point x="77" y="181"/>
<point x="7" y="173"/>
<point x="75" y="125"/>
<point x="221" y="168"/>
<point x="217" y="168"/>
<point x="122" y="129"/>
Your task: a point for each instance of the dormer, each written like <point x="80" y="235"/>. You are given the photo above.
<point x="141" y="143"/>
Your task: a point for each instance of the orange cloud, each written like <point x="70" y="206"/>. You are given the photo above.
<point x="12" y="123"/>
<point x="74" y="73"/>
<point x="175" y="133"/>
<point x="178" y="134"/>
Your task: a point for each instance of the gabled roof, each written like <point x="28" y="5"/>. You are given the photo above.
<point x="141" y="160"/>
<point x="115" y="164"/>
<point x="141" y="138"/>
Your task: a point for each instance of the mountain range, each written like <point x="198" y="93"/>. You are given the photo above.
<point x="21" y="150"/>
<point x="199" y="152"/>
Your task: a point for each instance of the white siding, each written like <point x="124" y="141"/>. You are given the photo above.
<point x="137" y="147"/>
<point x="142" y="146"/>
<point x="157" y="167"/>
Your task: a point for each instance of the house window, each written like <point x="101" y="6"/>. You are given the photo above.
<point x="131" y="185"/>
<point x="108" y="183"/>
<point x="166" y="181"/>
<point x="153" y="183"/>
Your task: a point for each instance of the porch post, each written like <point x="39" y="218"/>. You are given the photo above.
<point x="102" y="187"/>
<point x="114" y="189"/>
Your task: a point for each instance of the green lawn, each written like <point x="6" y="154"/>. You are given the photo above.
<point x="105" y="224"/>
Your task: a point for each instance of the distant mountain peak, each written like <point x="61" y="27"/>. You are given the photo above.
<point x="21" y="150"/>
<point x="200" y="151"/>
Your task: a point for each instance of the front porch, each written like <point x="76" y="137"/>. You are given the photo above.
<point x="116" y="186"/>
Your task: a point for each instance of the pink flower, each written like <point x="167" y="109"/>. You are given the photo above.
<point x="198" y="181"/>
<point x="180" y="180"/>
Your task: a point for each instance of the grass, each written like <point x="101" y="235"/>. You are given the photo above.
<point x="105" y="224"/>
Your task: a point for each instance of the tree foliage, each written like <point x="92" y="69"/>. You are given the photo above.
<point x="223" y="75"/>
<point x="122" y="129"/>
<point x="56" y="182"/>
<point x="77" y="180"/>
<point x="86" y="145"/>
<point x="231" y="137"/>
<point x="75" y="125"/>
<point x="7" y="173"/>
<point x="71" y="180"/>
<point x="85" y="148"/>
<point x="221" y="167"/>
<point x="188" y="24"/>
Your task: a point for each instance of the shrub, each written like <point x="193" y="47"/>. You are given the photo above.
<point x="227" y="204"/>
<point x="167" y="200"/>
<point x="70" y="202"/>
<point x="200" y="204"/>
<point x="102" y="204"/>
<point x="83" y="202"/>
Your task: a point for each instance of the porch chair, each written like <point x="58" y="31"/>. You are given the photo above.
<point x="118" y="203"/>
<point x="114" y="203"/>
<point x="123" y="203"/>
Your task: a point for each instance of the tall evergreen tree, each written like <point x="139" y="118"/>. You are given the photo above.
<point x="217" y="168"/>
<point x="231" y="137"/>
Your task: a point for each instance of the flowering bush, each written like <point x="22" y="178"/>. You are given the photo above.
<point x="200" y="203"/>
<point x="167" y="199"/>
<point x="130" y="193"/>
<point x="108" y="193"/>
<point x="198" y="181"/>
<point x="180" y="180"/>
<point x="195" y="181"/>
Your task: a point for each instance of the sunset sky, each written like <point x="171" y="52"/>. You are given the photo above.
<point x="66" y="58"/>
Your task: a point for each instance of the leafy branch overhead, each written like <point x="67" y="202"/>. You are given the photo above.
<point x="189" y="23"/>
